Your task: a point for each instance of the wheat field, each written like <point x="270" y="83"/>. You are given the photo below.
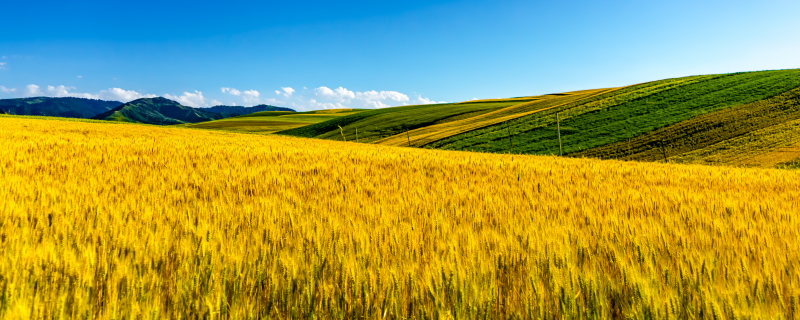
<point x="122" y="221"/>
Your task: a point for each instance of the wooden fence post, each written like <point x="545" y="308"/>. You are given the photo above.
<point x="509" y="138"/>
<point x="558" y="126"/>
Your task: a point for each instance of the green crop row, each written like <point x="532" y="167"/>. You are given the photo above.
<point x="625" y="114"/>
<point x="703" y="131"/>
<point x="491" y="139"/>
<point x="377" y="124"/>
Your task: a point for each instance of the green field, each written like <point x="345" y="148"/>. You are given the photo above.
<point x="625" y="114"/>
<point x="374" y="125"/>
<point x="273" y="121"/>
<point x="744" y="119"/>
<point x="710" y="131"/>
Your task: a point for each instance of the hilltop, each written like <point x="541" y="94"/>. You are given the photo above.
<point x="745" y="118"/>
<point x="67" y="107"/>
<point x="157" y="110"/>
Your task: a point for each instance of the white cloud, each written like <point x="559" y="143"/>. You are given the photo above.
<point x="366" y="99"/>
<point x="80" y="77"/>
<point x="32" y="90"/>
<point x="216" y="103"/>
<point x="2" y="65"/>
<point x="340" y="93"/>
<point x="63" y="91"/>
<point x="423" y="100"/>
<point x="287" y="90"/>
<point x="118" y="94"/>
<point x="232" y="91"/>
<point x="382" y="96"/>
<point x="375" y="104"/>
<point x="250" y="96"/>
<point x="277" y="92"/>
<point x="195" y="99"/>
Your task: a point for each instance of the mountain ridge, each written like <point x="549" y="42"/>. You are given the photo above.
<point x="67" y="107"/>
<point x="160" y="111"/>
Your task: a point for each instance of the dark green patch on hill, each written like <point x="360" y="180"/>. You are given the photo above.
<point x="160" y="111"/>
<point x="57" y="107"/>
<point x="233" y="111"/>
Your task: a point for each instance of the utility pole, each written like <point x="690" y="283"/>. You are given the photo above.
<point x="356" y="135"/>
<point x="509" y="137"/>
<point x="663" y="152"/>
<point x="558" y="127"/>
<point x="409" y="138"/>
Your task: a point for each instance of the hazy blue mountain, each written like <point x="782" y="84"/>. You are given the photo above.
<point x="57" y="107"/>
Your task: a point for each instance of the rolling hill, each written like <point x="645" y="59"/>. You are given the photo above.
<point x="272" y="121"/>
<point x="159" y="111"/>
<point x="745" y="118"/>
<point x="57" y="107"/>
<point x="232" y="111"/>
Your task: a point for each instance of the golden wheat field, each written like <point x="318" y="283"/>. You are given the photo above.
<point x="122" y="221"/>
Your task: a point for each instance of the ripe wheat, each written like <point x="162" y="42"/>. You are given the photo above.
<point x="112" y="221"/>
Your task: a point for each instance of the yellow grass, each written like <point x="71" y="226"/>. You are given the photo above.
<point x="112" y="221"/>
<point x="428" y="134"/>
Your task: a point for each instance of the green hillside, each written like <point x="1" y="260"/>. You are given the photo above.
<point x="232" y="111"/>
<point x="67" y="107"/>
<point x="695" y="119"/>
<point x="273" y="121"/>
<point x="376" y="124"/>
<point x="159" y="111"/>
<point x="626" y="113"/>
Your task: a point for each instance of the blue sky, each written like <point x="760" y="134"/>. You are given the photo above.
<point x="313" y="54"/>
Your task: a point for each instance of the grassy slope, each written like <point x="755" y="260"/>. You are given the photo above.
<point x="626" y="113"/>
<point x="706" y="131"/>
<point x="272" y="121"/>
<point x="768" y="147"/>
<point x="425" y="135"/>
<point x="377" y="124"/>
<point x="157" y="110"/>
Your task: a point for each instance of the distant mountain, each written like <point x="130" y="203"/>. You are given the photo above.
<point x="57" y="107"/>
<point x="232" y="111"/>
<point x="159" y="111"/>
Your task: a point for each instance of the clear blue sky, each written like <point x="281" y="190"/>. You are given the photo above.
<point x="379" y="53"/>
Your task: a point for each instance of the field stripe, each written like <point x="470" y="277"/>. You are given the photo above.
<point x="741" y="149"/>
<point x="423" y="136"/>
<point x="704" y="131"/>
